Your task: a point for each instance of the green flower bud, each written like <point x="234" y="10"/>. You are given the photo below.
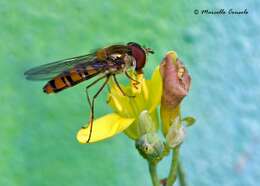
<point x="176" y="134"/>
<point x="146" y="123"/>
<point x="150" y="146"/>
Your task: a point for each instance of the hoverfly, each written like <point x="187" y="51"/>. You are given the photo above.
<point x="106" y="62"/>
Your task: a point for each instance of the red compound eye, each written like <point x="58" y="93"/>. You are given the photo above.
<point x="139" y="54"/>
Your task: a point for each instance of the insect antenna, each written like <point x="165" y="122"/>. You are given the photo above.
<point x="148" y="50"/>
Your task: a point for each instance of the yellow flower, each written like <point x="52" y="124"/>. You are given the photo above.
<point x="147" y="96"/>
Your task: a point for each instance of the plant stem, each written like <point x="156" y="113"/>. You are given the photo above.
<point x="153" y="173"/>
<point x="181" y="175"/>
<point x="174" y="165"/>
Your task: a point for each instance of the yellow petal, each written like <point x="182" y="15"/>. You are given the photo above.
<point x="120" y="103"/>
<point x="129" y="106"/>
<point x="115" y="103"/>
<point x="104" y="127"/>
<point x="155" y="119"/>
<point x="168" y="116"/>
<point x="155" y="90"/>
<point x="133" y="130"/>
<point x="141" y="87"/>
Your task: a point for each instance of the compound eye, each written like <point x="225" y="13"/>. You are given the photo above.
<point x="134" y="44"/>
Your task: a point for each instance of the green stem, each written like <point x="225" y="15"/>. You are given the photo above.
<point x="174" y="165"/>
<point x="153" y="173"/>
<point x="181" y="175"/>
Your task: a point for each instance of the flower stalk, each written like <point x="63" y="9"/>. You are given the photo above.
<point x="174" y="167"/>
<point x="153" y="173"/>
<point x="181" y="174"/>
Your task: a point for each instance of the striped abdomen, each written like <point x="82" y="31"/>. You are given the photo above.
<point x="69" y="79"/>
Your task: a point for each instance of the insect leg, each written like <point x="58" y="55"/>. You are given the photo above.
<point x="121" y="90"/>
<point x="109" y="91"/>
<point x="88" y="97"/>
<point x="92" y="106"/>
<point x="90" y="85"/>
<point x="127" y="75"/>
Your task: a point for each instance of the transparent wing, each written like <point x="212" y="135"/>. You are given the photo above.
<point x="50" y="70"/>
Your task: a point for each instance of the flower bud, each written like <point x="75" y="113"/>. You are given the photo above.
<point x="146" y="123"/>
<point x="176" y="134"/>
<point x="176" y="84"/>
<point x="176" y="81"/>
<point x="150" y="146"/>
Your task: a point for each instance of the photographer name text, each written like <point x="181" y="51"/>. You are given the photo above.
<point x="222" y="11"/>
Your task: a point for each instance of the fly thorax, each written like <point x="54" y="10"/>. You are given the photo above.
<point x="111" y="68"/>
<point x="115" y="56"/>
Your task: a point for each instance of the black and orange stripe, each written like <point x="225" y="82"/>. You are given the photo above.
<point x="69" y="79"/>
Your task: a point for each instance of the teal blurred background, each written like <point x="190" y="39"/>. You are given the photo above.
<point x="37" y="131"/>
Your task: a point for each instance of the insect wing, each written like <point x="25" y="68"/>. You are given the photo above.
<point x="50" y="70"/>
